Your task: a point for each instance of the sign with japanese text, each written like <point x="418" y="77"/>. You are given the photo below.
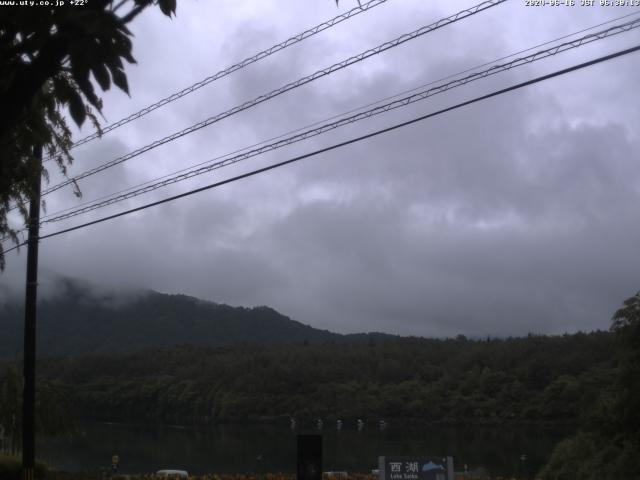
<point x="415" y="468"/>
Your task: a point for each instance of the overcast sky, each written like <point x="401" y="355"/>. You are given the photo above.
<point x="516" y="215"/>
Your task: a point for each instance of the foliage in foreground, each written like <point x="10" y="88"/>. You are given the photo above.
<point x="52" y="410"/>
<point x="47" y="57"/>
<point x="609" y="444"/>
<point x="11" y="468"/>
<point x="589" y="456"/>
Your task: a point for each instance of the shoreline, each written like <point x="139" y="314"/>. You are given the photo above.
<point x="329" y="424"/>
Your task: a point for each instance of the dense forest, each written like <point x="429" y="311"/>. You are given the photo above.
<point x="531" y="379"/>
<point x="591" y="380"/>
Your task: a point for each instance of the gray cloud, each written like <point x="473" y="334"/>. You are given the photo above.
<point x="512" y="216"/>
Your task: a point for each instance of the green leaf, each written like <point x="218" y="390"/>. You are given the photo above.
<point x="76" y="188"/>
<point x="121" y="45"/>
<point x="66" y="93"/>
<point x="120" y="79"/>
<point x="87" y="88"/>
<point x="76" y="108"/>
<point x="167" y="6"/>
<point x="112" y="59"/>
<point x="63" y="91"/>
<point x="102" y="76"/>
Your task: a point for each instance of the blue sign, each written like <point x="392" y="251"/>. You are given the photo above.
<point x="415" y="468"/>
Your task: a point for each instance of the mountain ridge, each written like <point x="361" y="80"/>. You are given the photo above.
<point x="79" y="320"/>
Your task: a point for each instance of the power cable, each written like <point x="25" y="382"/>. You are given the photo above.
<point x="345" y="143"/>
<point x="308" y="126"/>
<point x="349" y="120"/>
<point x="233" y="68"/>
<point x="279" y="91"/>
<point x="137" y="190"/>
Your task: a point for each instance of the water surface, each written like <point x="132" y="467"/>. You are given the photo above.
<point x="235" y="449"/>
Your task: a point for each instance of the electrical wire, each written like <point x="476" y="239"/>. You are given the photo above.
<point x="308" y="126"/>
<point x="131" y="191"/>
<point x="415" y="97"/>
<point x="345" y="143"/>
<point x="279" y="91"/>
<point x="233" y="68"/>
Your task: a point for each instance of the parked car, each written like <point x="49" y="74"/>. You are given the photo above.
<point x="172" y="474"/>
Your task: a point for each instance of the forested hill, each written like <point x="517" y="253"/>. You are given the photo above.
<point x="531" y="379"/>
<point x="79" y="320"/>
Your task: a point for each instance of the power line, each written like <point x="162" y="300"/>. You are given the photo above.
<point x="279" y="91"/>
<point x="347" y="142"/>
<point x="138" y="190"/>
<point x="478" y="66"/>
<point x="233" y="68"/>
<point x="433" y="82"/>
<point x="415" y="97"/>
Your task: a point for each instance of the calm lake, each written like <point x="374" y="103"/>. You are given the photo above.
<point x="235" y="449"/>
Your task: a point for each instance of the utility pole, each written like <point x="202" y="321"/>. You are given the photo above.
<point x="29" y="389"/>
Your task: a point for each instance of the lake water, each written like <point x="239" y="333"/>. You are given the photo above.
<point x="234" y="449"/>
